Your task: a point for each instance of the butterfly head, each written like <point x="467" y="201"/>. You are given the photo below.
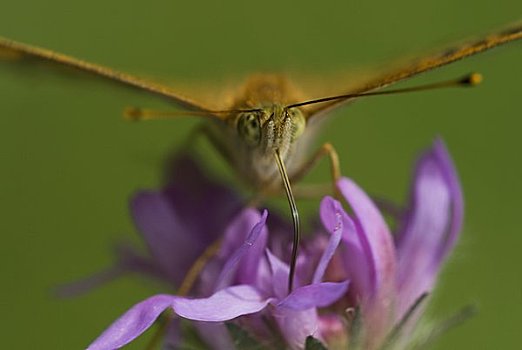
<point x="270" y="127"/>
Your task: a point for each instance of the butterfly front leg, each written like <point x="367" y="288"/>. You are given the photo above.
<point x="206" y="132"/>
<point x="326" y="150"/>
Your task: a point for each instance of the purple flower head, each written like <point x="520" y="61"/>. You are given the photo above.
<point x="389" y="273"/>
<point x="245" y="281"/>
<point x="249" y="281"/>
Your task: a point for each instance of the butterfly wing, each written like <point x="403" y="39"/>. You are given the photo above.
<point x="422" y="65"/>
<point x="11" y="49"/>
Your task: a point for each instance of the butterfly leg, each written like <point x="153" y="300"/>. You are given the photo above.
<point x="205" y="131"/>
<point x="328" y="150"/>
<point x="184" y="289"/>
<point x="201" y="261"/>
<point x="199" y="264"/>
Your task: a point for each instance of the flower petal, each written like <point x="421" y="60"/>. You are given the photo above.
<point x="370" y="262"/>
<point x="205" y="204"/>
<point x="431" y="226"/>
<point x="296" y="325"/>
<point x="133" y="323"/>
<point x="357" y="258"/>
<point x="280" y="272"/>
<point x="215" y="334"/>
<point x="249" y="253"/>
<point x="89" y="283"/>
<point x="314" y="295"/>
<point x="249" y="265"/>
<point x="329" y="207"/>
<point x="333" y="328"/>
<point x="173" y="338"/>
<point x="224" y="305"/>
<point x="374" y="238"/>
<point x="172" y="245"/>
<point x="172" y="221"/>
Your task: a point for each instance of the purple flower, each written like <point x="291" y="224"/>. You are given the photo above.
<point x="245" y="282"/>
<point x="248" y="281"/>
<point x="389" y="273"/>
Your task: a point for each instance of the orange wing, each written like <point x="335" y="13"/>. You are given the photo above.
<point x="422" y="65"/>
<point x="17" y="50"/>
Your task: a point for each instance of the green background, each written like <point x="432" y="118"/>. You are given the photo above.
<point x="69" y="162"/>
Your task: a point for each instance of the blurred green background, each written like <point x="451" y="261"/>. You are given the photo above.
<point x="69" y="162"/>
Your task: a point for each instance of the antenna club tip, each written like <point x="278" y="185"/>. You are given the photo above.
<point x="475" y="78"/>
<point x="133" y="114"/>
<point x="472" y="79"/>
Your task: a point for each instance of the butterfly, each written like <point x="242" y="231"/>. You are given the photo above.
<point x="265" y="131"/>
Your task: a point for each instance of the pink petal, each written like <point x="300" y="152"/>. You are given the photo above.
<point x="243" y="263"/>
<point x="172" y="245"/>
<point x="314" y="295"/>
<point x="133" y="323"/>
<point x="374" y="237"/>
<point x="370" y="261"/>
<point x="280" y="272"/>
<point x="431" y="227"/>
<point x="222" y="306"/>
<point x="331" y="214"/>
<point x="215" y="334"/>
<point x="296" y="325"/>
<point x="358" y="264"/>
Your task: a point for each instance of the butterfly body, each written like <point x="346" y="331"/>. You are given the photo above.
<point x="258" y="125"/>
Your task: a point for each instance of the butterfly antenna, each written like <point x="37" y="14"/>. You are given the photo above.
<point x="295" y="217"/>
<point x="469" y="80"/>
<point x="140" y="114"/>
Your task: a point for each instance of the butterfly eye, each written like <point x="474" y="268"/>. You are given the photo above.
<point x="249" y="128"/>
<point x="298" y="122"/>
